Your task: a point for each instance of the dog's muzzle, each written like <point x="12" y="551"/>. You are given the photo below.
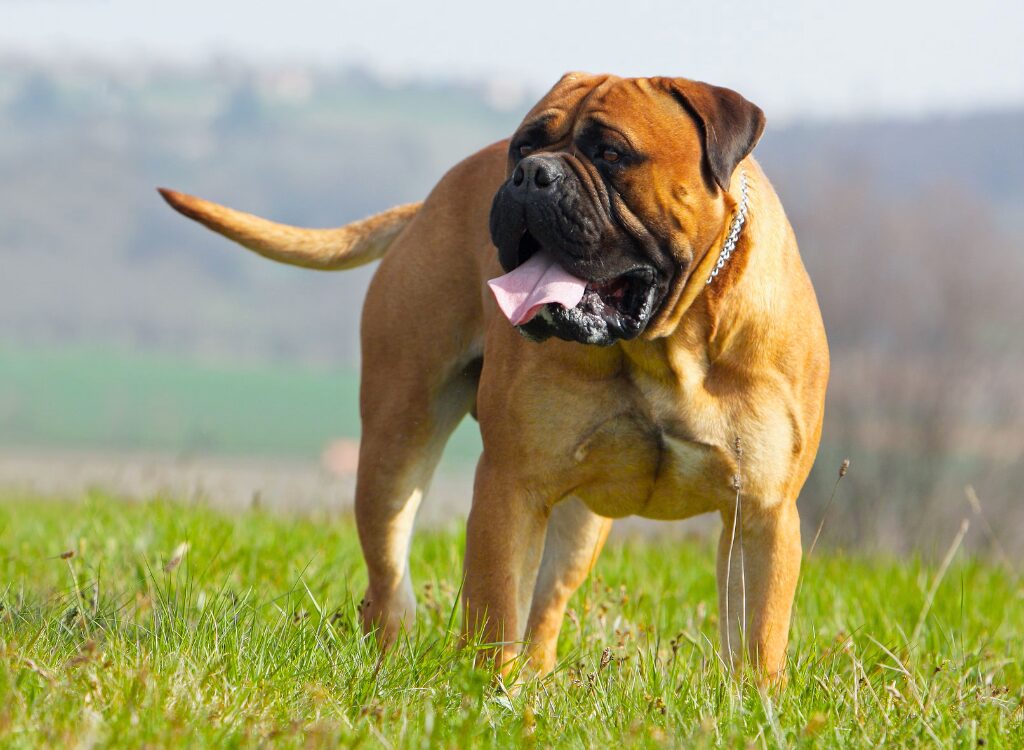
<point x="543" y="208"/>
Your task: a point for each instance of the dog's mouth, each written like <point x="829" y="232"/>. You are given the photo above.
<point x="626" y="300"/>
<point x="592" y="308"/>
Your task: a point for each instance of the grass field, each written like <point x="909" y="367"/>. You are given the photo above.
<point x="115" y="399"/>
<point x="112" y="632"/>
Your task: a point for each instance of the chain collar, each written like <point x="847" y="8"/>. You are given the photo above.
<point x="734" y="229"/>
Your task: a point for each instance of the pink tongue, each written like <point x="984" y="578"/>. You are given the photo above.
<point x="540" y="280"/>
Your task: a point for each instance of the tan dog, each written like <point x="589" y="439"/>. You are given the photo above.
<point x="625" y="193"/>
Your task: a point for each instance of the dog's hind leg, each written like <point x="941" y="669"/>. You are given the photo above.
<point x="420" y="370"/>
<point x="422" y="346"/>
<point x="405" y="428"/>
<point x="575" y="536"/>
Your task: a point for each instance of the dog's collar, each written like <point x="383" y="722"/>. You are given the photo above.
<point x="735" y="228"/>
<point x="708" y="268"/>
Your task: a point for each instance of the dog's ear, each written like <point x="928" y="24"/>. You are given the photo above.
<point x="731" y="124"/>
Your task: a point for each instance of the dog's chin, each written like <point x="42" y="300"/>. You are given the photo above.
<point x="616" y="310"/>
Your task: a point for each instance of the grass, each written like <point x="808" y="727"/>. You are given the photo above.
<point x="112" y="632"/>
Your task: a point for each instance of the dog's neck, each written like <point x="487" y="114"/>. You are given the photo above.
<point x="712" y="264"/>
<point x="735" y="227"/>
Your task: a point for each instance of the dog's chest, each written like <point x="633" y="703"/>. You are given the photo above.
<point x="661" y="456"/>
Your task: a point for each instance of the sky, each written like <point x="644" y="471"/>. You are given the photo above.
<point x="795" y="58"/>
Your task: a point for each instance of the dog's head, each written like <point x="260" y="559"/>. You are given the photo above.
<point x="623" y="182"/>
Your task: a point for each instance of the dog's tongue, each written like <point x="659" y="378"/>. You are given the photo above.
<point x="540" y="280"/>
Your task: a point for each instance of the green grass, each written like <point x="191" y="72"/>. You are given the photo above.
<point x="115" y="399"/>
<point x="253" y="638"/>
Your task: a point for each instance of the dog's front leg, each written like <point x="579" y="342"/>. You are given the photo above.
<point x="758" y="566"/>
<point x="504" y="547"/>
<point x="574" y="539"/>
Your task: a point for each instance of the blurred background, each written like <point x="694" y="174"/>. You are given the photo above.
<point x="141" y="354"/>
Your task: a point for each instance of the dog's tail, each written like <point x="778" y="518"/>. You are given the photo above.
<point x="323" y="249"/>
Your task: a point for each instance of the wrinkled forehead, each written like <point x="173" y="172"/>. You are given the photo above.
<point x="554" y="116"/>
<point x="638" y="108"/>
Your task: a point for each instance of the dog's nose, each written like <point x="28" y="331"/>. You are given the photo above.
<point x="537" y="172"/>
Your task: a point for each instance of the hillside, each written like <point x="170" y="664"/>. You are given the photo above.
<point x="90" y="253"/>
<point x="910" y="229"/>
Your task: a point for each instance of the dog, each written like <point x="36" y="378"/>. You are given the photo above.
<point x="616" y="295"/>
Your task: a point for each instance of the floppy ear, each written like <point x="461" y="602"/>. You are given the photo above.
<point x="732" y="125"/>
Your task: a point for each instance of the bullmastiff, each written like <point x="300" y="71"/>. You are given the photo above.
<point x="615" y="293"/>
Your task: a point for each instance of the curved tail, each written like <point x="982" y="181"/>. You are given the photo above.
<point x="349" y="246"/>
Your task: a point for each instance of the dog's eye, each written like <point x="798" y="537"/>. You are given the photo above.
<point x="525" y="150"/>
<point x="610" y="155"/>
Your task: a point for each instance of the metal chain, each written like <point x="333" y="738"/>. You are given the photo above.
<point x="734" y="229"/>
